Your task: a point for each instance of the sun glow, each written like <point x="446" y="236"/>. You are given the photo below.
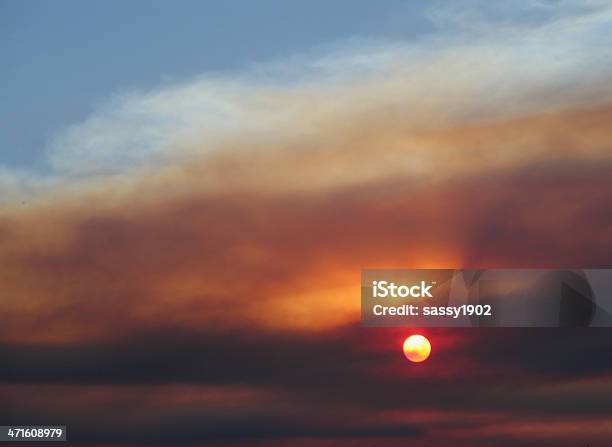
<point x="417" y="348"/>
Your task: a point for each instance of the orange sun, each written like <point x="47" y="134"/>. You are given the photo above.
<point x="417" y="348"/>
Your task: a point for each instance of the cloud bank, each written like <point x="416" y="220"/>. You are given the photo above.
<point x="480" y="64"/>
<point x="193" y="253"/>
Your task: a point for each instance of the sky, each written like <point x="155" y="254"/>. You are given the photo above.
<point x="61" y="60"/>
<point x="188" y="193"/>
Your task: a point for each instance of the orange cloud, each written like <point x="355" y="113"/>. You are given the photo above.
<point x="276" y="237"/>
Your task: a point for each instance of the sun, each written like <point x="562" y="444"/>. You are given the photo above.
<point x="417" y="348"/>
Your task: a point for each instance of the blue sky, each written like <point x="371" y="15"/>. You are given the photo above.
<point x="62" y="59"/>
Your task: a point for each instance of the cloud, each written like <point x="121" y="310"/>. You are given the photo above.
<point x="560" y="59"/>
<point x="204" y="239"/>
<point x="344" y="383"/>
<point x="477" y="16"/>
<point x="286" y="260"/>
<point x="439" y="81"/>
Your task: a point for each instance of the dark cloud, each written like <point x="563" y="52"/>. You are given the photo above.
<point x="343" y="364"/>
<point x="326" y="385"/>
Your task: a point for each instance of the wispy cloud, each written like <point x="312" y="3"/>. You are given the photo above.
<point x="548" y="55"/>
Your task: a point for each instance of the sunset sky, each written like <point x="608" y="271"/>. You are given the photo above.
<point x="188" y="194"/>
